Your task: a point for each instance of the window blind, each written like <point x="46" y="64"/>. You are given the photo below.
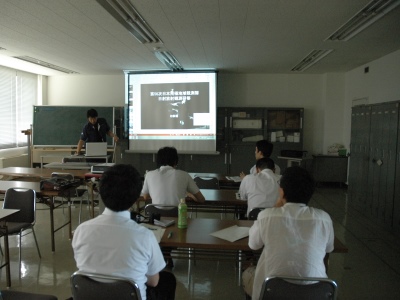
<point x="18" y="94"/>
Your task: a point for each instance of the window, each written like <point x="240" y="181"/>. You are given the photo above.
<point x="18" y="94"/>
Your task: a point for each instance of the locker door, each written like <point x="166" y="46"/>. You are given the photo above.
<point x="359" y="153"/>
<point x="389" y="135"/>
<point x="396" y="201"/>
<point x="375" y="162"/>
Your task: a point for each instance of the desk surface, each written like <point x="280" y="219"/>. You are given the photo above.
<point x="71" y="165"/>
<point x="5" y="185"/>
<point x="220" y="197"/>
<point x="223" y="181"/>
<point x="4" y="212"/>
<point x="39" y="173"/>
<point x="197" y="235"/>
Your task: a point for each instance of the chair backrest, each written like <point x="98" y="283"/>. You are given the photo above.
<point x="103" y="287"/>
<point x="254" y="213"/>
<point x="24" y="200"/>
<point x="279" y="287"/>
<point x="163" y="210"/>
<point x="207" y="183"/>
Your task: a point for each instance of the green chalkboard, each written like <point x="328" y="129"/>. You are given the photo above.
<point x="62" y="125"/>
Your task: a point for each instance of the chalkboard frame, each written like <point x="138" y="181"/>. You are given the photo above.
<point x="62" y="125"/>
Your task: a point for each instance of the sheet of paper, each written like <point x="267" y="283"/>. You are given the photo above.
<point x="234" y="178"/>
<point x="232" y="233"/>
<point x="157" y="230"/>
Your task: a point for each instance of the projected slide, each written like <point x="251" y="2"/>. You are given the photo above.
<point x="180" y="105"/>
<point x="172" y="109"/>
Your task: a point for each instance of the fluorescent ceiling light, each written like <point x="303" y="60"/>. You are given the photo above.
<point x="311" y="59"/>
<point x="45" y="64"/>
<point x="125" y="13"/>
<point x="372" y="12"/>
<point x="168" y="59"/>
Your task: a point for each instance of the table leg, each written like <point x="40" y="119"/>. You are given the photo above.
<point x="7" y="257"/>
<point x="240" y="268"/>
<point x="69" y="217"/>
<point x="51" y="206"/>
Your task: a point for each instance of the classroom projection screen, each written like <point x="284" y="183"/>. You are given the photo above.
<point x="172" y="109"/>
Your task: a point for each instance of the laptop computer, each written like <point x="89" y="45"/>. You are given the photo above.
<point x="96" y="149"/>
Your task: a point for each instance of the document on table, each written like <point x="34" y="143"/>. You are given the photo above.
<point x="157" y="230"/>
<point x="232" y="233"/>
<point x="234" y="178"/>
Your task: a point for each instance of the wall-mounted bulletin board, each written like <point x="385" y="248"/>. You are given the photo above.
<point x="62" y="125"/>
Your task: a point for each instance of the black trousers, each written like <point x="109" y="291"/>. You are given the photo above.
<point x="165" y="289"/>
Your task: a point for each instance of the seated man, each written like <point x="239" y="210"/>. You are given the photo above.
<point x="263" y="149"/>
<point x="113" y="244"/>
<point x="295" y="237"/>
<point x="261" y="189"/>
<point x="167" y="185"/>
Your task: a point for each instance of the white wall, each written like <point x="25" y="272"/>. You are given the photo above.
<point x="321" y="96"/>
<point x="380" y="84"/>
<point x="82" y="90"/>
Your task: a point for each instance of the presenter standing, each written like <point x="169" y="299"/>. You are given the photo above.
<point x="95" y="130"/>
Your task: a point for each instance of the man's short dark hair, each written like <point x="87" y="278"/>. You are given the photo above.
<point x="265" y="163"/>
<point x="92" y="113"/>
<point x="120" y="187"/>
<point x="298" y="185"/>
<point x="265" y="147"/>
<point x="167" y="156"/>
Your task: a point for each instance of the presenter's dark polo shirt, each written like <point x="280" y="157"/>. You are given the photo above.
<point x="90" y="134"/>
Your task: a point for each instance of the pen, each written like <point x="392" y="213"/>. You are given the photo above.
<point x="169" y="235"/>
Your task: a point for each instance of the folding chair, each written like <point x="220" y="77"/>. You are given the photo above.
<point x="299" y="288"/>
<point x="103" y="287"/>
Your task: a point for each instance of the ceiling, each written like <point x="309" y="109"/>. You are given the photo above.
<point x="232" y="36"/>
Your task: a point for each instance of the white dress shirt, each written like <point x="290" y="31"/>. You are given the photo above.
<point x="113" y="244"/>
<point x="260" y="189"/>
<point x="168" y="185"/>
<point x="295" y="237"/>
<point x="253" y="170"/>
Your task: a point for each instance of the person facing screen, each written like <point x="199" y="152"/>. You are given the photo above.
<point x="167" y="185"/>
<point x="95" y="130"/>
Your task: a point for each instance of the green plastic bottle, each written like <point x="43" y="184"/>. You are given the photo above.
<point x="182" y="214"/>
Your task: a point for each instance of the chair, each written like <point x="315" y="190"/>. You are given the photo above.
<point x="163" y="210"/>
<point x="103" y="287"/>
<point x="77" y="192"/>
<point x="207" y="182"/>
<point x="12" y="295"/>
<point x="279" y="288"/>
<point x="254" y="213"/>
<point x="25" y="201"/>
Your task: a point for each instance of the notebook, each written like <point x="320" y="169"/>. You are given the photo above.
<point x="96" y="149"/>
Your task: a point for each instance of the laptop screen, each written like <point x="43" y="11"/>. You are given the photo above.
<point x="96" y="149"/>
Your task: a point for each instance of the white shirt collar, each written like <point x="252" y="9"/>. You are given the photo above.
<point x="124" y="214"/>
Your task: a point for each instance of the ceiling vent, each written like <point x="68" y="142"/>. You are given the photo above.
<point x="372" y="12"/>
<point x="311" y="59"/>
<point x="45" y="64"/>
<point x="126" y="14"/>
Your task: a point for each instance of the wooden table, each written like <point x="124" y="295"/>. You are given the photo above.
<point x="4" y="213"/>
<point x="195" y="242"/>
<point x="48" y="199"/>
<point x="224" y="182"/>
<point x="217" y="201"/>
<point x="220" y="201"/>
<point x="38" y="173"/>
